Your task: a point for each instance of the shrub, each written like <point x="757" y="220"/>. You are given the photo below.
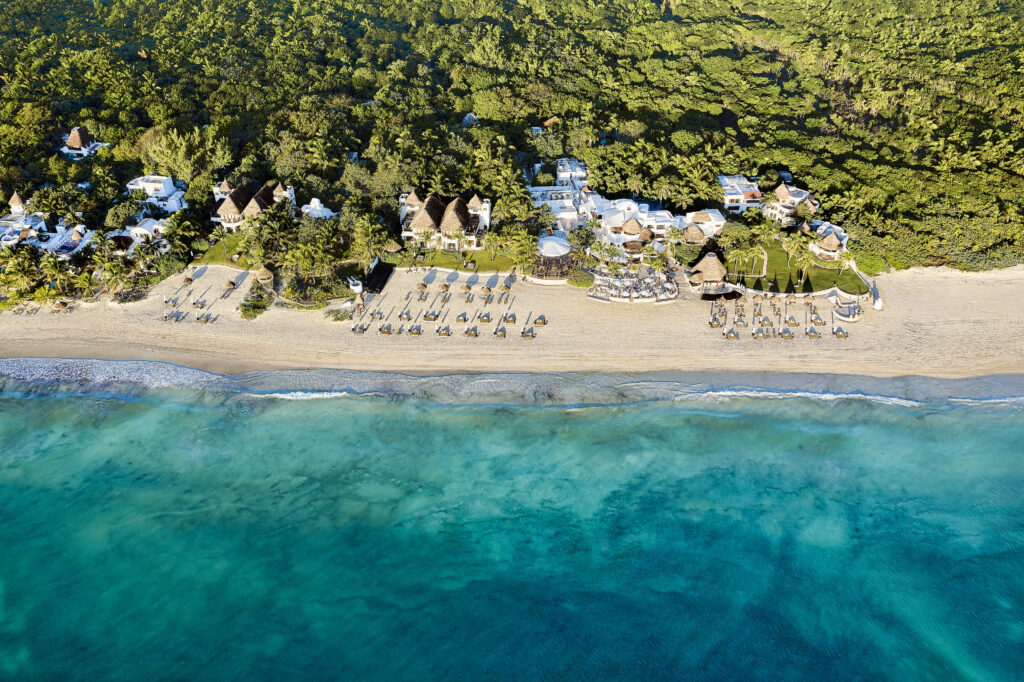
<point x="168" y="265"/>
<point x="338" y="315"/>
<point x="256" y="301"/>
<point x="200" y="245"/>
<point x="581" y="278"/>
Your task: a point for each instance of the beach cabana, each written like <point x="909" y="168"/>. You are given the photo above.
<point x="709" y="273"/>
<point x="264" y="275"/>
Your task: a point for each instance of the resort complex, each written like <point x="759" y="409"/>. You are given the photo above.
<point x="478" y="265"/>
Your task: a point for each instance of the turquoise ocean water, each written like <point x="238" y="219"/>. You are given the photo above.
<point x="161" y="524"/>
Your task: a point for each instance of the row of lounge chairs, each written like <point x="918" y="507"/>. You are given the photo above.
<point x="417" y="330"/>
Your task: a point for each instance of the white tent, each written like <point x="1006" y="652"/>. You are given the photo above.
<point x="553" y="247"/>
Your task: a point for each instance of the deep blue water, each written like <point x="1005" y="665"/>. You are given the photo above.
<point x="209" y="534"/>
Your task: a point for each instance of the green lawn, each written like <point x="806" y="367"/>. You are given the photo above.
<point x="445" y="259"/>
<point x="781" y="277"/>
<point x="216" y="254"/>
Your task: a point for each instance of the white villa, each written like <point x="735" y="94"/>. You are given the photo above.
<point x="457" y="225"/>
<point x="627" y="224"/>
<point x="740" y="193"/>
<point x="788" y="199"/>
<point x="234" y="204"/>
<point x="316" y="209"/>
<point x="831" y="239"/>
<point x="161" y="191"/>
<point x="22" y="228"/>
<point x="79" y="144"/>
<point x="31" y="230"/>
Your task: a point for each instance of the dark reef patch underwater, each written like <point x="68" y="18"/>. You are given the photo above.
<point x="164" y="523"/>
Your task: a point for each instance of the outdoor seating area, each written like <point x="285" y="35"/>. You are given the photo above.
<point x="430" y="301"/>
<point x="651" y="287"/>
<point x="770" y="318"/>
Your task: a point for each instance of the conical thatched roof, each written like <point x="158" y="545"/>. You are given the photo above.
<point x="230" y="284"/>
<point x="79" y="138"/>
<point x="711" y="268"/>
<point x="697" y="278"/>
<point x="782" y="192"/>
<point x="15" y="200"/>
<point x="646" y="235"/>
<point x="693" y="234"/>
<point x="475" y="203"/>
<point x="486" y="290"/>
<point x="466" y="288"/>
<point x="393" y="246"/>
<point x="279" y="189"/>
<point x="428" y="217"/>
<point x="504" y="288"/>
<point x="421" y="286"/>
<point x="235" y="202"/>
<point x="445" y="287"/>
<point x="831" y="242"/>
<point x="791" y="298"/>
<point x="412" y="199"/>
<point x="259" y="202"/>
<point x="631" y="226"/>
<point x="632" y="247"/>
<point x="264" y="275"/>
<point x="225" y="186"/>
<point x="456" y="217"/>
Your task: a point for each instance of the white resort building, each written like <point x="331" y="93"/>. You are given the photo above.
<point x="232" y="205"/>
<point x="830" y="239"/>
<point x="316" y="209"/>
<point x="625" y="223"/>
<point x="160" y="190"/>
<point x="79" y="144"/>
<point x="787" y="202"/>
<point x="740" y="193"/>
<point x="458" y="225"/>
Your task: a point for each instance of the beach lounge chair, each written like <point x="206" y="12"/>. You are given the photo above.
<point x="471" y="332"/>
<point x="462" y="317"/>
<point x="540" y="321"/>
<point x="444" y="331"/>
<point x="485" y="317"/>
<point x="812" y="333"/>
<point x="840" y="333"/>
<point x="405" y="316"/>
<point x="785" y="333"/>
<point x="529" y="333"/>
<point x="415" y="331"/>
<point x="510" y="318"/>
<point x="500" y="332"/>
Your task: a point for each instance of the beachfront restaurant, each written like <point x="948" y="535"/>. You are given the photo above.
<point x="552" y="262"/>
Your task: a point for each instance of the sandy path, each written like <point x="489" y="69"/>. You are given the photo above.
<point x="937" y="322"/>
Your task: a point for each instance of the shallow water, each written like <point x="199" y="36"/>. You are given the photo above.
<point x="213" y="534"/>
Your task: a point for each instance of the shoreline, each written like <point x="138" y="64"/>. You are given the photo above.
<point x="937" y="323"/>
<point x="127" y="378"/>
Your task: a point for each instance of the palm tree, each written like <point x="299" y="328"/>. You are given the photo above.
<point x="804" y="261"/>
<point x="145" y="253"/>
<point x="220" y="234"/>
<point x="763" y="231"/>
<point x="368" y="241"/>
<point x="179" y="232"/>
<point x="115" y="274"/>
<point x="55" y="272"/>
<point x="21" y="272"/>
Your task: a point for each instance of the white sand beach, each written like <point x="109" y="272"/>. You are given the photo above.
<point x="936" y="322"/>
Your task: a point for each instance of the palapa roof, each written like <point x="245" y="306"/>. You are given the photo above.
<point x="632" y="247"/>
<point x="693" y="234"/>
<point x="782" y="192"/>
<point x="79" y="138"/>
<point x="702" y="217"/>
<point x="412" y="199"/>
<point x="456" y="217"/>
<point x="15" y="200"/>
<point x="279" y="189"/>
<point x="235" y="202"/>
<point x="225" y="186"/>
<point x="831" y="242"/>
<point x="711" y="268"/>
<point x="260" y="202"/>
<point x="475" y="203"/>
<point x="264" y="274"/>
<point x="646" y="235"/>
<point x="428" y="217"/>
<point x="631" y="226"/>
